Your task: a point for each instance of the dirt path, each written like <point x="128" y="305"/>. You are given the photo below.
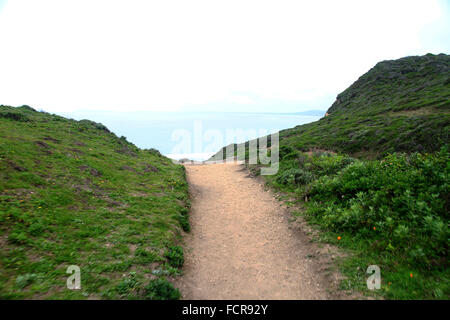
<point x="242" y="245"/>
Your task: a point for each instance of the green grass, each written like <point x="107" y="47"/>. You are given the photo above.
<point x="72" y="193"/>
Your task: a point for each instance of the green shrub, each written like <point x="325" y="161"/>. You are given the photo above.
<point x="175" y="256"/>
<point x="36" y="228"/>
<point x="295" y="176"/>
<point x="393" y="211"/>
<point x="183" y="217"/>
<point x="154" y="152"/>
<point x="326" y="163"/>
<point x="96" y="125"/>
<point x="14" y="116"/>
<point x="24" y="280"/>
<point x="126" y="285"/>
<point x="143" y="256"/>
<point x="17" y="237"/>
<point x="401" y="201"/>
<point x="161" y="289"/>
<point x="184" y="222"/>
<point x="292" y="155"/>
<point x="284" y="151"/>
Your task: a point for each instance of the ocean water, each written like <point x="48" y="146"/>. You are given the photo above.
<point x="194" y="135"/>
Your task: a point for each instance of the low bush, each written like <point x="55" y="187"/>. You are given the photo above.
<point x="14" y="116"/>
<point x="284" y="151"/>
<point x="402" y="201"/>
<point x="295" y="176"/>
<point x="393" y="212"/>
<point x="184" y="222"/>
<point x="175" y="256"/>
<point x="161" y="289"/>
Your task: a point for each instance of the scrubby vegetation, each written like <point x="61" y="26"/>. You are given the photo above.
<point x="175" y="256"/>
<point x="161" y="289"/>
<point x="391" y="212"/>
<point x="381" y="188"/>
<point x="72" y="193"/>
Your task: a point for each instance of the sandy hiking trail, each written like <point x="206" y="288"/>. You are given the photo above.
<point x="242" y="245"/>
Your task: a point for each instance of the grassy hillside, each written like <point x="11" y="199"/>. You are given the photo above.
<point x="73" y="193"/>
<point x="374" y="176"/>
<point x="397" y="106"/>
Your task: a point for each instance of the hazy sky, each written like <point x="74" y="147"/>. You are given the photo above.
<point x="228" y="55"/>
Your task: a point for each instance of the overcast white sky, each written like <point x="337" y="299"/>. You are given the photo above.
<point x="273" y="56"/>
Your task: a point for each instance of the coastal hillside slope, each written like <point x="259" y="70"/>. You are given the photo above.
<point x="73" y="193"/>
<point x="397" y="106"/>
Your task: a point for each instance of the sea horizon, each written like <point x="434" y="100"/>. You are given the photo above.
<point x="189" y="135"/>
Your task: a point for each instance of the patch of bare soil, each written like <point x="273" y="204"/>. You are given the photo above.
<point x="243" y="244"/>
